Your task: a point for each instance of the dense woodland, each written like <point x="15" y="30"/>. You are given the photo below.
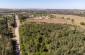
<point x="6" y="47"/>
<point x="51" y="39"/>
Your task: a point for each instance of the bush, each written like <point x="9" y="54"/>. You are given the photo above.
<point x="72" y="20"/>
<point x="63" y="17"/>
<point x="68" y="18"/>
<point x="82" y="23"/>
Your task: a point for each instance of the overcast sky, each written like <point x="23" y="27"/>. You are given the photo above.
<point x="43" y="4"/>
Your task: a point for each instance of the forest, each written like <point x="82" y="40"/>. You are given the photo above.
<point x="51" y="39"/>
<point x="6" y="46"/>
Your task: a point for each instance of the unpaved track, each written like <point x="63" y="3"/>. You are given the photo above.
<point x="17" y="35"/>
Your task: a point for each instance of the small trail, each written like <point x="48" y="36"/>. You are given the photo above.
<point x="17" y="23"/>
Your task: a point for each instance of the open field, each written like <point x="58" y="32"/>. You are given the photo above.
<point x="77" y="19"/>
<point x="61" y="18"/>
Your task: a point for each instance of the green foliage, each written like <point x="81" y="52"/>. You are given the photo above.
<point x="23" y="17"/>
<point x="11" y="20"/>
<point x="5" y="41"/>
<point x="51" y="39"/>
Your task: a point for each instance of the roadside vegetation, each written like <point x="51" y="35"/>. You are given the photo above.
<point x="11" y="20"/>
<point x="6" y="47"/>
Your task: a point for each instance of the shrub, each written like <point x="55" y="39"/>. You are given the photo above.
<point x="62" y="17"/>
<point x="68" y="18"/>
<point x="72" y="20"/>
<point x="82" y="23"/>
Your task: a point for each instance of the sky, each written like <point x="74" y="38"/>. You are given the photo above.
<point x="43" y="4"/>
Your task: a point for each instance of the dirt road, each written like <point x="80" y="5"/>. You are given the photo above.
<point x="17" y="23"/>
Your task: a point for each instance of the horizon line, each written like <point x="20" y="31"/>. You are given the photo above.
<point x="45" y="8"/>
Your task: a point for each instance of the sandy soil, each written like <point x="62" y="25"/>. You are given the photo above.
<point x="58" y="20"/>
